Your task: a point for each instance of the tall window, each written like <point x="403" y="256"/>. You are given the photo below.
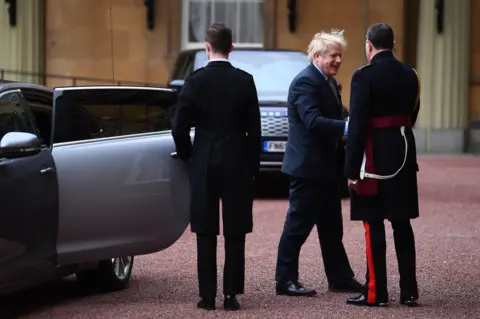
<point x="244" y="17"/>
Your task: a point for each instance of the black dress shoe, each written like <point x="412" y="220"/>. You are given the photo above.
<point x="206" y="303"/>
<point x="231" y="303"/>
<point x="291" y="288"/>
<point x="350" y="286"/>
<point x="409" y="302"/>
<point x="362" y="301"/>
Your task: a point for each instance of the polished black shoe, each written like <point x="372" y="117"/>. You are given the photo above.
<point x="291" y="288"/>
<point x="231" y="303"/>
<point x="361" y="300"/>
<point x="409" y="302"/>
<point x="350" y="286"/>
<point x="206" y="303"/>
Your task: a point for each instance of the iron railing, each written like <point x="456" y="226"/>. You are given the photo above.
<point x="53" y="80"/>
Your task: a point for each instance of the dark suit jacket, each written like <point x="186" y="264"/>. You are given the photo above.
<point x="385" y="87"/>
<point x="221" y="102"/>
<point x="314" y="149"/>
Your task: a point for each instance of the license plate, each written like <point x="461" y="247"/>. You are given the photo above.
<point x="274" y="146"/>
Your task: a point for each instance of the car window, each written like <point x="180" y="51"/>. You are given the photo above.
<point x="117" y="120"/>
<point x="179" y="67"/>
<point x="40" y="105"/>
<point x="183" y="67"/>
<point x="272" y="71"/>
<point x="13" y="116"/>
<point x="106" y="115"/>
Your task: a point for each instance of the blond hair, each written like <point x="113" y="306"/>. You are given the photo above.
<point x="323" y="40"/>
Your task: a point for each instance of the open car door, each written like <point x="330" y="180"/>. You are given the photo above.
<point x="121" y="192"/>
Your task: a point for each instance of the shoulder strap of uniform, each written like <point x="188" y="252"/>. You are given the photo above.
<point x="364" y="67"/>
<point x="191" y="75"/>
<point x="419" y="89"/>
<point x="243" y="71"/>
<point x="197" y="70"/>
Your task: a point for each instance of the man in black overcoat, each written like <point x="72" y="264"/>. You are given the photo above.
<point x="381" y="163"/>
<point x="221" y="102"/>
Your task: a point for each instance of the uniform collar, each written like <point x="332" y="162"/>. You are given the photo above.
<point x="217" y="61"/>
<point x="386" y="54"/>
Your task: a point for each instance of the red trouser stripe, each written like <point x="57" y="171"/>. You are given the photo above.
<point x="371" y="294"/>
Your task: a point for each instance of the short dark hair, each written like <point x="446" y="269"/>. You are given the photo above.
<point x="219" y="36"/>
<point x="381" y="36"/>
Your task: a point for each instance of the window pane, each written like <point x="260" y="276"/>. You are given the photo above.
<point x="95" y="121"/>
<point x="199" y="20"/>
<point x="43" y="118"/>
<point x="244" y="17"/>
<point x="226" y="12"/>
<point x="251" y="28"/>
<point x="83" y="114"/>
<point x="13" y="117"/>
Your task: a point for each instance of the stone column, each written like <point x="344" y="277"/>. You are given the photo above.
<point x="443" y="66"/>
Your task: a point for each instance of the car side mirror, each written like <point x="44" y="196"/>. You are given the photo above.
<point x="19" y="144"/>
<point x="176" y="85"/>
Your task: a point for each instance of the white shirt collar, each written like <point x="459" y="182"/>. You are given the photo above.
<point x="217" y="60"/>
<point x="320" y="70"/>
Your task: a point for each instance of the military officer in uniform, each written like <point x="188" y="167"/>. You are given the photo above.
<point x="381" y="163"/>
<point x="221" y="102"/>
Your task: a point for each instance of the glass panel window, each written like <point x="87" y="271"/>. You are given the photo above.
<point x="97" y="113"/>
<point x="244" y="17"/>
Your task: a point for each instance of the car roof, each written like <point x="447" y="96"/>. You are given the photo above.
<point x="6" y="85"/>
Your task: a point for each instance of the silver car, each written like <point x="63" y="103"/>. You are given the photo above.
<point x="87" y="181"/>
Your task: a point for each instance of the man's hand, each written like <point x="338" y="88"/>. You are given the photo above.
<point x="352" y="184"/>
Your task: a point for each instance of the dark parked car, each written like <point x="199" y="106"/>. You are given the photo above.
<point x="87" y="181"/>
<point x="273" y="71"/>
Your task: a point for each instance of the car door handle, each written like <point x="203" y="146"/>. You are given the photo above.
<point x="46" y="170"/>
<point x="174" y="155"/>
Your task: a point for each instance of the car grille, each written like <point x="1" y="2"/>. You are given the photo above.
<point x="274" y="126"/>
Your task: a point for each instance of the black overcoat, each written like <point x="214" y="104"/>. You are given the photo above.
<point x="386" y="87"/>
<point x="221" y="102"/>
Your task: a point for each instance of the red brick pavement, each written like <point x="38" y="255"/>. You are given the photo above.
<point x="164" y="285"/>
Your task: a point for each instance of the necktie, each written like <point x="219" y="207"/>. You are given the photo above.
<point x="334" y="89"/>
<point x="335" y="92"/>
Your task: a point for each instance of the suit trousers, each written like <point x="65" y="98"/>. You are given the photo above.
<point x="234" y="269"/>
<point x="313" y="203"/>
<point x="376" y="278"/>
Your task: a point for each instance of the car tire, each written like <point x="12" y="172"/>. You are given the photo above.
<point x="110" y="275"/>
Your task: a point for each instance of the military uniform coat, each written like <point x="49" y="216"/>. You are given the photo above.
<point x="386" y="87"/>
<point x="221" y="102"/>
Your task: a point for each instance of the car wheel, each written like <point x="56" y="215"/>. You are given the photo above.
<point x="110" y="275"/>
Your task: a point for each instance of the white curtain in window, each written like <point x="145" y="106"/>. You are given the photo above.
<point x="244" y="17"/>
<point x="250" y="30"/>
